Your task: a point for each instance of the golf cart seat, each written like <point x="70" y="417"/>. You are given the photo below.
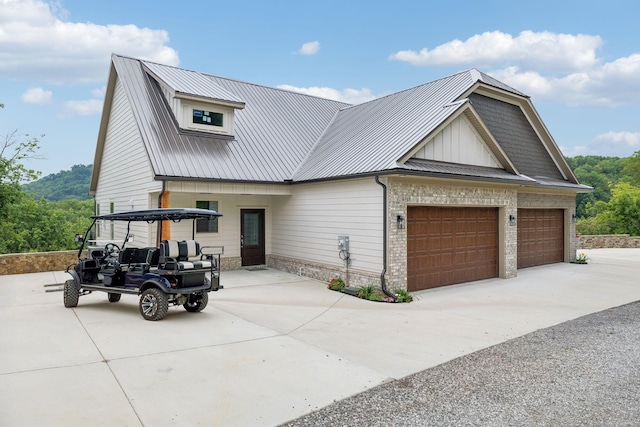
<point x="182" y="255"/>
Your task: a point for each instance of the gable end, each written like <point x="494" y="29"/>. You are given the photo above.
<point x="513" y="131"/>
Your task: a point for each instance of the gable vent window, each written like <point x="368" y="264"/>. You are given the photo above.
<point x="209" y="118"/>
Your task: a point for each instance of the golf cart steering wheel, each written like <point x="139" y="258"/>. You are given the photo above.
<point x="110" y="248"/>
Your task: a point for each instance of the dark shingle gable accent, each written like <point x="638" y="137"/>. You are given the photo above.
<point x="515" y="135"/>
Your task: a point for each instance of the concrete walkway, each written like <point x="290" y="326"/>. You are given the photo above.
<point x="270" y="347"/>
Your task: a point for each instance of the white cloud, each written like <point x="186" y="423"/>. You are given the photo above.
<point x="37" y="95"/>
<point x="350" y="96"/>
<point x="37" y="43"/>
<point x="562" y="68"/>
<point x="618" y="144"/>
<point x="83" y="108"/>
<point x="533" y="51"/>
<point x="310" y="48"/>
<point x="624" y="139"/>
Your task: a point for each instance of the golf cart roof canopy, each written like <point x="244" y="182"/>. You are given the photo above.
<point x="168" y="214"/>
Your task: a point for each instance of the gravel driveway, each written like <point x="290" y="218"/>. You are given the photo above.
<point x="583" y="372"/>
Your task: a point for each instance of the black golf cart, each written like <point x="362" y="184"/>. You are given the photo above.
<point x="175" y="272"/>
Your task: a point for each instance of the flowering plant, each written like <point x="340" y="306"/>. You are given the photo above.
<point x="336" y="284"/>
<point x="582" y="258"/>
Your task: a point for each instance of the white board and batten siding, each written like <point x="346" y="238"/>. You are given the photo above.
<point x="124" y="161"/>
<point x="307" y="225"/>
<point x="458" y="142"/>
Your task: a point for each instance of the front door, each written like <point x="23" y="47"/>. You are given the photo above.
<point x="252" y="236"/>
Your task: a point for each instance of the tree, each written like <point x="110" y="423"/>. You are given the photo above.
<point x="624" y="209"/>
<point x="632" y="169"/>
<point x="13" y="151"/>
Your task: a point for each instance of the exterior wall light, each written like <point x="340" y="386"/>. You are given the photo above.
<point x="573" y="217"/>
<point x="400" y="222"/>
<point x="512" y="220"/>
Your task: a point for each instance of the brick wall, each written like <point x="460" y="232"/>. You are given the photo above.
<point x="403" y="192"/>
<point x="608" y="241"/>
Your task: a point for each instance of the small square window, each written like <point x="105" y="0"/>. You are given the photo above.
<point x="208" y="118"/>
<point x="207" y="225"/>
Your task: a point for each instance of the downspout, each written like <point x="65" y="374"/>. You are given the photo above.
<point x="383" y="283"/>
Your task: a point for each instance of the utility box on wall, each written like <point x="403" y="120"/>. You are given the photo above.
<point x="343" y="243"/>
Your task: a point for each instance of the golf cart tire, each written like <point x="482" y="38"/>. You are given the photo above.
<point x="197" y="306"/>
<point x="154" y="304"/>
<point x="114" y="297"/>
<point x="71" y="293"/>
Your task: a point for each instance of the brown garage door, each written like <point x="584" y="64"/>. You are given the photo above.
<point x="540" y="237"/>
<point x="450" y="245"/>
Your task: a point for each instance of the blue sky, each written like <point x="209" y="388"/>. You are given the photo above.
<point x="578" y="60"/>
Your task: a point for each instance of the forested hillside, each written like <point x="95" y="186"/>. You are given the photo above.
<point x="65" y="185"/>
<point x="614" y="205"/>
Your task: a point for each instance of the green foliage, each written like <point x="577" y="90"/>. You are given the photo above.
<point x="403" y="296"/>
<point x="336" y="284"/>
<point x="13" y="151"/>
<point x="632" y="169"/>
<point x="598" y="172"/>
<point x="71" y="184"/>
<point x="621" y="215"/>
<point x="37" y="225"/>
<point x="33" y="224"/>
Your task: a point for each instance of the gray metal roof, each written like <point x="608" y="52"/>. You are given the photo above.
<point x="282" y="136"/>
<point x="454" y="169"/>
<point x="273" y="133"/>
<point x="373" y="136"/>
<point x="192" y="83"/>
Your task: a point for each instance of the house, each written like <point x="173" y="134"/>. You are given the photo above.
<point x="448" y="182"/>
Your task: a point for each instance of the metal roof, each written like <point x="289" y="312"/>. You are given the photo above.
<point x="273" y="133"/>
<point x="282" y="136"/>
<point x="373" y="136"/>
<point x="454" y="169"/>
<point x="192" y="83"/>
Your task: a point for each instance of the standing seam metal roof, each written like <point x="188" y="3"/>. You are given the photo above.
<point x="273" y="133"/>
<point x="287" y="136"/>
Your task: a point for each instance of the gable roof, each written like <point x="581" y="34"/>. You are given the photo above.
<point x="282" y="136"/>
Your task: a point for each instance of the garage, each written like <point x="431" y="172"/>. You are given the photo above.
<point x="540" y="237"/>
<point x="447" y="245"/>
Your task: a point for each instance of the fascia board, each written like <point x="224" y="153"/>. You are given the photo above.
<point x="102" y="131"/>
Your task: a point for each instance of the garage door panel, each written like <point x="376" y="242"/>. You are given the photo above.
<point x="540" y="237"/>
<point x="461" y="245"/>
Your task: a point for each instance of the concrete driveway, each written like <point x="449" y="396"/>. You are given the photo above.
<point x="270" y="347"/>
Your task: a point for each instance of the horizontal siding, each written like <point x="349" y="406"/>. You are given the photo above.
<point x="307" y="224"/>
<point x="125" y="173"/>
<point x="229" y="206"/>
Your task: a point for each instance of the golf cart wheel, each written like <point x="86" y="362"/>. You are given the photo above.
<point x="195" y="305"/>
<point x="113" y="297"/>
<point x="71" y="293"/>
<point x="153" y="304"/>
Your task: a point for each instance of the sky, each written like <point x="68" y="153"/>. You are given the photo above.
<point x="579" y="61"/>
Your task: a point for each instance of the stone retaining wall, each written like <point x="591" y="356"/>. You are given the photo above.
<point x="608" y="241"/>
<point x="35" y="262"/>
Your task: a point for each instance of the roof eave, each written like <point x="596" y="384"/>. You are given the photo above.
<point x="102" y="130"/>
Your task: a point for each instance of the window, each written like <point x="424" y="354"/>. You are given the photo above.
<point x="207" y="225"/>
<point x="210" y="118"/>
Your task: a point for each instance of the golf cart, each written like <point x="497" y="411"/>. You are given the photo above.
<point x="174" y="272"/>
